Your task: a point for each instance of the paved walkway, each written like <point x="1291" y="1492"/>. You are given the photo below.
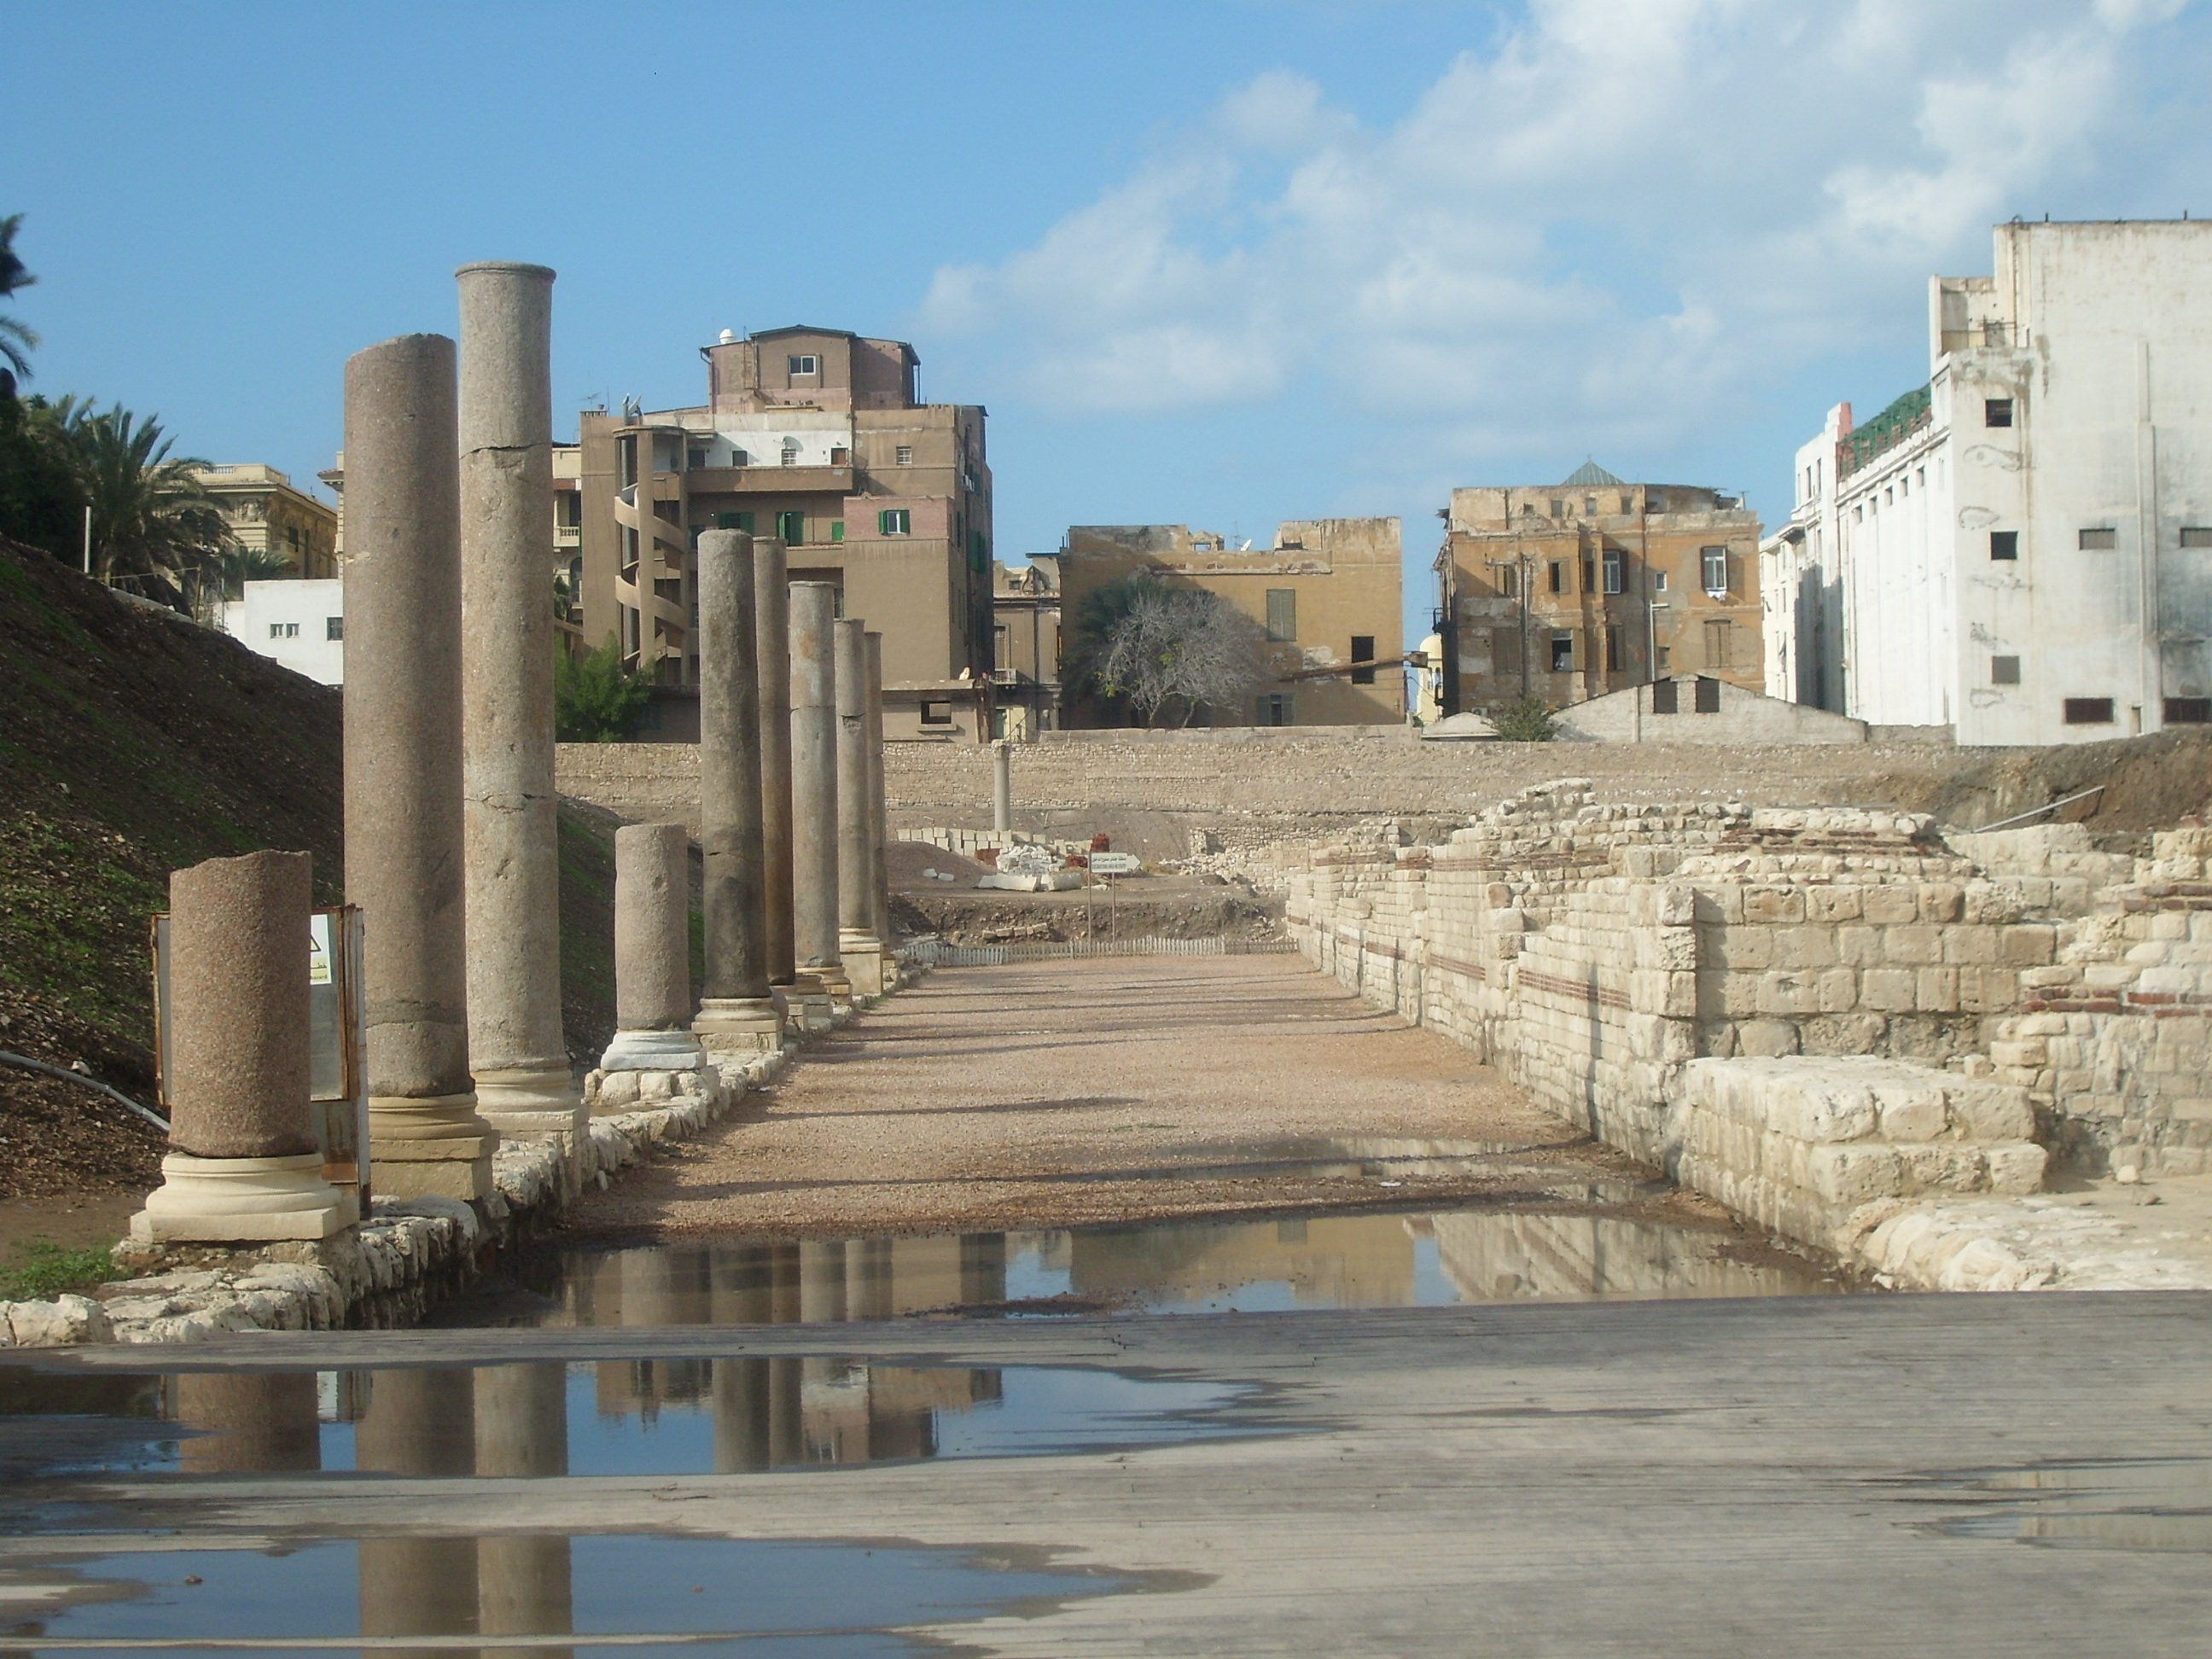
<point x="1058" y="1093"/>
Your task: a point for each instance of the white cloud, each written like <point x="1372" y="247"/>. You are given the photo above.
<point x="1627" y="217"/>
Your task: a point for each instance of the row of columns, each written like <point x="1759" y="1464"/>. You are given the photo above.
<point x="450" y="819"/>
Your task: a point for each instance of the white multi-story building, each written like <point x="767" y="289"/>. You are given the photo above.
<point x="299" y="623"/>
<point x="2021" y="550"/>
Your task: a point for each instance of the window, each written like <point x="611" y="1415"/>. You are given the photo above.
<point x="1558" y="508"/>
<point x="739" y="457"/>
<point x="1708" y="694"/>
<point x="1612" y="650"/>
<point x="1654" y="502"/>
<point x="1559" y="573"/>
<point x="2193" y="537"/>
<point x="1903" y="485"/>
<point x="1363" y="650"/>
<point x="2101" y="540"/>
<point x="937" y="713"/>
<point x="2188" y="711"/>
<point x="695" y="456"/>
<point x="1714" y="560"/>
<point x="1590" y="573"/>
<point x="1664" y="697"/>
<point x="1505" y="651"/>
<point x="1627" y="505"/>
<point x="1563" y="654"/>
<point x="805" y="363"/>
<point x="837" y="530"/>
<point x="791" y="529"/>
<point x="292" y="535"/>
<point x="1508" y="580"/>
<point x="334" y="628"/>
<point x="791" y="452"/>
<point x="2004" y="671"/>
<point x="2089" y="711"/>
<point x="1665" y="659"/>
<point x="1589" y="506"/>
<point x="895" y="521"/>
<point x="283" y="630"/>
<point x="1282" y="614"/>
<point x="1996" y="412"/>
<point x="1275" y="708"/>
<point x="1616" y="570"/>
<point x="1658" y="581"/>
<point x="734" y="521"/>
<point x="1719" y="637"/>
<point x="904" y="455"/>
<point x="2004" y="544"/>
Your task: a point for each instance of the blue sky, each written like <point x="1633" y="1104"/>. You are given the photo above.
<point x="1220" y="264"/>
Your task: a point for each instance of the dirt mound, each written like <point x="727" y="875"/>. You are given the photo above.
<point x="132" y="743"/>
<point x="2147" y="783"/>
<point x="909" y="862"/>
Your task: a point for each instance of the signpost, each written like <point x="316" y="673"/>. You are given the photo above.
<point x="1116" y="864"/>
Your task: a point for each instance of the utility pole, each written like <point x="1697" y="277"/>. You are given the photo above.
<point x="88" y="538"/>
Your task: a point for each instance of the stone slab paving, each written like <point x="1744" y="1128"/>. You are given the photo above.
<point x="1996" y="1475"/>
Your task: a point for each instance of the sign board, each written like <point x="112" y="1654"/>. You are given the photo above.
<point x="1116" y="864"/>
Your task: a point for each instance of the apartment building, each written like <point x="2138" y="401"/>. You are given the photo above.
<point x="268" y="514"/>
<point x="1324" y="594"/>
<point x="1025" y="645"/>
<point x="1566" y="592"/>
<point x="816" y="438"/>
<point x="2021" y="549"/>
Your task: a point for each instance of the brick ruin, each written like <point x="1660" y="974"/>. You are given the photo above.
<point x="1820" y="1016"/>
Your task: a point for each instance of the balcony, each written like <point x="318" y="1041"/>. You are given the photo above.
<point x="567" y="535"/>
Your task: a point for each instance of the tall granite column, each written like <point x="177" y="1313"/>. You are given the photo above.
<point x="736" y="1013"/>
<point x="244" y="1162"/>
<point x="879" y="886"/>
<point x="403" y="768"/>
<point x="821" y="973"/>
<point x="772" y="666"/>
<point x="1002" y="788"/>
<point x="857" y="947"/>
<point x="517" y="1049"/>
<point x="653" y="952"/>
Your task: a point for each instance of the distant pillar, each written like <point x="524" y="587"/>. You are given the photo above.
<point x="517" y="1049"/>
<point x="772" y="662"/>
<point x="735" y="1011"/>
<point x="403" y="768"/>
<point x="857" y="947"/>
<point x="653" y="952"/>
<point x="244" y="1163"/>
<point x="880" y="851"/>
<point x="821" y="974"/>
<point x="1002" y="788"/>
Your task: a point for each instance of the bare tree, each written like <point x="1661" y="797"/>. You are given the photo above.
<point x="1177" y="649"/>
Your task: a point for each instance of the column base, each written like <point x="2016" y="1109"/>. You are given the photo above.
<point x="862" y="954"/>
<point x="652" y="1051"/>
<point x="541" y="1100"/>
<point x="234" y="1200"/>
<point x="742" y="1026"/>
<point x="813" y="999"/>
<point x="429" y="1146"/>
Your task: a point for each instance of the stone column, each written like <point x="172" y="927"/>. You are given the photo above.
<point x="857" y="947"/>
<point x="821" y="974"/>
<point x="772" y="637"/>
<point x="403" y="768"/>
<point x="736" y="1013"/>
<point x="880" y="852"/>
<point x="652" y="951"/>
<point x="1002" y="788"/>
<point x="517" y="1049"/>
<point x="244" y="1162"/>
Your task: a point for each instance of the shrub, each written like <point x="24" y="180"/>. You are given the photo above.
<point x="595" y="698"/>
<point x="1525" y="719"/>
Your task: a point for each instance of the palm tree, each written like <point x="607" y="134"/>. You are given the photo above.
<point x="150" y="515"/>
<point x="16" y="339"/>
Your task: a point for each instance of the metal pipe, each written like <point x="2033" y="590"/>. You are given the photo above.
<point x="24" y="1063"/>
<point x="2037" y="812"/>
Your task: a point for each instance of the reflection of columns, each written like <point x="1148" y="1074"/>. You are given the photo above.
<point x="402" y="766"/>
<point x="814" y="800"/>
<point x="821" y="1283"/>
<point x="772" y="662"/>
<point x="653" y="952"/>
<point x="252" y="1422"/>
<point x="879" y="886"/>
<point x="517" y="1050"/>
<point x="982" y="1268"/>
<point x="735" y="1012"/>
<point x="420" y="1422"/>
<point x="786" y="1417"/>
<point x="244" y="1162"/>
<point x="742" y="1391"/>
<point x="522" y="1432"/>
<point x="857" y="947"/>
<point x="1002" y="788"/>
<point x="868" y="1279"/>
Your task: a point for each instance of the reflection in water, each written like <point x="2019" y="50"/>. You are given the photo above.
<point x="2152" y="1506"/>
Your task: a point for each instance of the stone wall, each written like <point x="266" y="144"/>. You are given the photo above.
<point x="1743" y="716"/>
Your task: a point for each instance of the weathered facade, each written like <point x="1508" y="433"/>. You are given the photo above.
<point x="1569" y="590"/>
<point x="1325" y="594"/>
<point x="818" y="439"/>
<point x="1025" y="645"/>
<point x="2021" y="549"/>
<point x="268" y="514"/>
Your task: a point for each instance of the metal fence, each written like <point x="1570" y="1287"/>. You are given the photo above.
<point x="936" y="953"/>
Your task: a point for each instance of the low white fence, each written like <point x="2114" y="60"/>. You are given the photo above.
<point x="938" y="954"/>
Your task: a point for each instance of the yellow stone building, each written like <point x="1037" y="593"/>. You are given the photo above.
<point x="268" y="514"/>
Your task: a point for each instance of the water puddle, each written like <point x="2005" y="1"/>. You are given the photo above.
<point x="2152" y="1506"/>
<point x="1369" y="1259"/>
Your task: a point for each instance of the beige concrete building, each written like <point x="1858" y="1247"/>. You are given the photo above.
<point x="268" y="514"/>
<point x="816" y="438"/>
<point x="1025" y="645"/>
<point x="1325" y="592"/>
<point x="1568" y="591"/>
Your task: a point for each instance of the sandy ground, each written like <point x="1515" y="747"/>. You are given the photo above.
<point x="1058" y="1093"/>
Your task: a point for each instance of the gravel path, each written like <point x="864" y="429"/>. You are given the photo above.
<point x="1057" y="1094"/>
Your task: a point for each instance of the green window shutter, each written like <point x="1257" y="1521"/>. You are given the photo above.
<point x="744" y="522"/>
<point x="790" y="528"/>
<point x="728" y="521"/>
<point x="883" y="522"/>
<point x="837" y="530"/>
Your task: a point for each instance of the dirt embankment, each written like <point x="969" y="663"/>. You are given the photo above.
<point x="133" y="742"/>
<point x="1157" y="906"/>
